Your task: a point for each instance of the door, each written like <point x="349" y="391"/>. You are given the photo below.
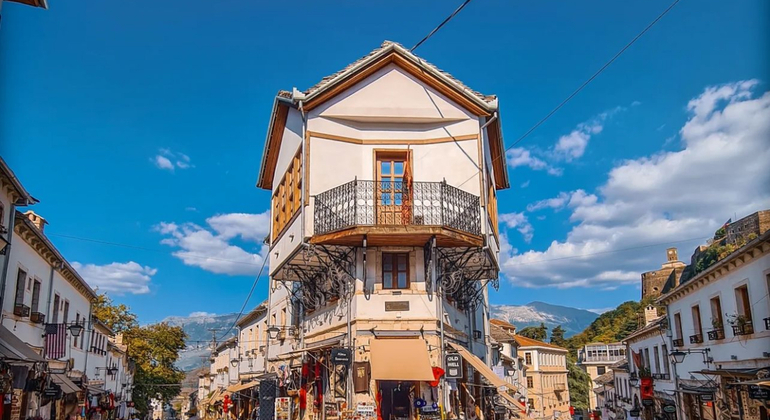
<point x="393" y="188"/>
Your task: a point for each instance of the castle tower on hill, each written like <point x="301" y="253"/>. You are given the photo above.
<point x="653" y="281"/>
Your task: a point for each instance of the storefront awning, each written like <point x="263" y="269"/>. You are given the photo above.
<point x="735" y="373"/>
<point x="241" y="387"/>
<point x="67" y="386"/>
<point x="487" y="373"/>
<point x="400" y="359"/>
<point x="12" y="348"/>
<point x="329" y="342"/>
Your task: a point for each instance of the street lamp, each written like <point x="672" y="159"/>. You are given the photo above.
<point x="3" y="245"/>
<point x="76" y="329"/>
<point x="273" y="331"/>
<point x="234" y="362"/>
<point x="633" y="380"/>
<point x="678" y="356"/>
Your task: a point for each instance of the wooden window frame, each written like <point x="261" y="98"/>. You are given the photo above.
<point x="716" y="310"/>
<point x="20" y="286"/>
<point x="395" y="271"/>
<point x="530" y="382"/>
<point x="287" y="197"/>
<point x="697" y="319"/>
<point x="37" y="286"/>
<point x="743" y="302"/>
<point x="56" y="305"/>
<point x="678" y="326"/>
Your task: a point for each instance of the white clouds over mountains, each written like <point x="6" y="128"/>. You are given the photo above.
<point x="664" y="198"/>
<point x="212" y="249"/>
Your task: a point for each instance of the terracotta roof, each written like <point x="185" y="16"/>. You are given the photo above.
<point x="499" y="334"/>
<point x="529" y="342"/>
<point x="606" y="378"/>
<point x="387" y="46"/>
<point x="501" y="323"/>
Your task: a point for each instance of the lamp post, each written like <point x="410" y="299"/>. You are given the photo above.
<point x="272" y="332"/>
<point x="76" y="329"/>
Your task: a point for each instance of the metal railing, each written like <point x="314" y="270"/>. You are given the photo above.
<point x="678" y="342"/>
<point x="696" y="339"/>
<point x="717" y="334"/>
<point x="612" y="358"/>
<point x="743" y="329"/>
<point x="387" y="203"/>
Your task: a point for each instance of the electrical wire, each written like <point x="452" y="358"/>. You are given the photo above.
<point x="436" y="29"/>
<point x="583" y="85"/>
<point x="248" y="297"/>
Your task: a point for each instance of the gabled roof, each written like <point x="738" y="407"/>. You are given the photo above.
<point x="529" y="342"/>
<point x="12" y="186"/>
<point x="501" y="323"/>
<point x="499" y="334"/>
<point x="389" y="52"/>
<point x="254" y="314"/>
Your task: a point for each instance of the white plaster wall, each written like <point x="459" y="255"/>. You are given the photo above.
<point x="650" y="343"/>
<point x="747" y="349"/>
<point x="252" y="345"/>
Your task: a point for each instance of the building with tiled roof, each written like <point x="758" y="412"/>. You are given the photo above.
<point x="546" y="377"/>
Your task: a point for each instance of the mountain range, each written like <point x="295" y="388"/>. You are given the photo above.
<point x="201" y="327"/>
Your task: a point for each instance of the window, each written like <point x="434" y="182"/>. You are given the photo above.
<point x="287" y="197"/>
<point x="656" y="353"/>
<point x="647" y="358"/>
<point x="530" y="382"/>
<point x="55" y="314"/>
<point x="492" y="204"/>
<point x="742" y="302"/>
<point x="664" y="350"/>
<point x="66" y="316"/>
<point x="696" y="322"/>
<point x="528" y="358"/>
<point x="75" y="339"/>
<point x="600" y="370"/>
<point x="392" y="179"/>
<point x="21" y="280"/>
<point x="283" y="317"/>
<point x="36" y="296"/>
<point x="716" y="313"/>
<point x="2" y="216"/>
<point x="395" y="271"/>
<point x="678" y="325"/>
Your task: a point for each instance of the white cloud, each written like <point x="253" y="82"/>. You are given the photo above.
<point x="519" y="222"/>
<point x="169" y="160"/>
<point x="569" y="147"/>
<point x="600" y="311"/>
<point x="210" y="248"/>
<point x="519" y="156"/>
<point x="202" y="314"/>
<point x="117" y="278"/>
<point x="525" y="184"/>
<point x="556" y="203"/>
<point x="162" y="162"/>
<point x="667" y="199"/>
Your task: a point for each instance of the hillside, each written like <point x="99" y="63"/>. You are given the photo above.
<point x="199" y="335"/>
<point x="611" y="326"/>
<point x="573" y="320"/>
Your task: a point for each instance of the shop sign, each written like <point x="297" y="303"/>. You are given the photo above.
<point x="397" y="306"/>
<point x="668" y="408"/>
<point x="757" y="392"/>
<point x="341" y="356"/>
<point x="706" y="397"/>
<point x="51" y="392"/>
<point x="453" y="366"/>
<point x="647" y="402"/>
<point x="635" y="412"/>
<point x="365" y="410"/>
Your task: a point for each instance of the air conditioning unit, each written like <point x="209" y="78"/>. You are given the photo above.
<point x="21" y="310"/>
<point x="37" y="317"/>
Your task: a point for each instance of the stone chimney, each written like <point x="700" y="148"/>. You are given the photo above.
<point x="36" y="220"/>
<point x="650" y="314"/>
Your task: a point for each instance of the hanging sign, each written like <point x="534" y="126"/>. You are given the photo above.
<point x="341" y="356"/>
<point x="706" y="397"/>
<point x="668" y="408"/>
<point x="453" y="366"/>
<point x="757" y="392"/>
<point x="648" y="402"/>
<point x="635" y="412"/>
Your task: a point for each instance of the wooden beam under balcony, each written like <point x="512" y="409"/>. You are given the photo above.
<point x="398" y="235"/>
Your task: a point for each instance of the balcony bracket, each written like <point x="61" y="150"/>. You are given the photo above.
<point x="464" y="273"/>
<point x="319" y="274"/>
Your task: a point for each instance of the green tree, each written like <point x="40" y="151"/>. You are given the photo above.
<point x="536" y="333"/>
<point x="118" y="318"/>
<point x="155" y="348"/>
<point x="579" y="384"/>
<point x="557" y="337"/>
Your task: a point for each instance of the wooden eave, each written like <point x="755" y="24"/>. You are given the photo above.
<point x="273" y="144"/>
<point x="45" y="249"/>
<point x="497" y="153"/>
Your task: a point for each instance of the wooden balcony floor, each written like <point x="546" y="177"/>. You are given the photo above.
<point x="398" y="235"/>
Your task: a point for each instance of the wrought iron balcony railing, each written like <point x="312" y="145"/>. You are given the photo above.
<point x="696" y="339"/>
<point x="387" y="203"/>
<point x="678" y="342"/>
<point x="717" y="334"/>
<point x="743" y="329"/>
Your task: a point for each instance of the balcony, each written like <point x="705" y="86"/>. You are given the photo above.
<point x="21" y="310"/>
<point x="696" y="339"/>
<point x="743" y="329"/>
<point x="559" y="387"/>
<point x="37" y="317"/>
<point x="678" y="342"/>
<point x="397" y="213"/>
<point x="717" y="334"/>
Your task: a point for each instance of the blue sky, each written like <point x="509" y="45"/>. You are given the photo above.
<point x="141" y="122"/>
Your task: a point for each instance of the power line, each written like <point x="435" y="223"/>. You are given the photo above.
<point x="436" y="29"/>
<point x="246" y="302"/>
<point x="582" y="86"/>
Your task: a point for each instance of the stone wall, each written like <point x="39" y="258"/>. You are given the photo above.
<point x="756" y="223"/>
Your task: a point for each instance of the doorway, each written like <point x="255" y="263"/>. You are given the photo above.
<point x="395" y="403"/>
<point x="393" y="176"/>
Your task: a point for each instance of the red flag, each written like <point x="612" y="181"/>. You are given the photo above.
<point x="55" y="341"/>
<point x="637" y="359"/>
